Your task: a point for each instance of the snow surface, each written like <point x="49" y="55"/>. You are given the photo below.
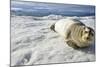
<point x="32" y="42"/>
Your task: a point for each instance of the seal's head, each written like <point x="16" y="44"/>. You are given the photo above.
<point x="88" y="34"/>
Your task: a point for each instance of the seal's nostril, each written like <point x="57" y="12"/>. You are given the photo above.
<point x="87" y="38"/>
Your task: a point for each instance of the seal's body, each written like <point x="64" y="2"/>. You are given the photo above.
<point x="75" y="33"/>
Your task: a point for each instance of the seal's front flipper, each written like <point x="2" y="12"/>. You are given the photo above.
<point x="72" y="44"/>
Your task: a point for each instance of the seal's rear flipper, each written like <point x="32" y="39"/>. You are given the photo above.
<point x="52" y="27"/>
<point x="72" y="44"/>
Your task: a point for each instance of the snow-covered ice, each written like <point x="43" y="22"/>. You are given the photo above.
<point x="32" y="42"/>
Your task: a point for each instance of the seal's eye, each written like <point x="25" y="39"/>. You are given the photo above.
<point x="86" y="31"/>
<point x="92" y="34"/>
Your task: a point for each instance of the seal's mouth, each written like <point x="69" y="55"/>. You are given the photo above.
<point x="89" y="38"/>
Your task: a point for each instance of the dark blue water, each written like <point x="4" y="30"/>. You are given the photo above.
<point x="44" y="9"/>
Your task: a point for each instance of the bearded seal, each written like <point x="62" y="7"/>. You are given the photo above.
<point x="75" y="33"/>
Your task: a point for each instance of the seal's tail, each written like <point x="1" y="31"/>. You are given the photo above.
<point x="52" y="27"/>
